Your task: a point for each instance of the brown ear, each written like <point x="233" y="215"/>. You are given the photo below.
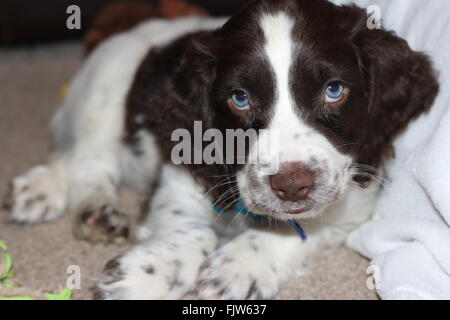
<point x="400" y="83"/>
<point x="196" y="69"/>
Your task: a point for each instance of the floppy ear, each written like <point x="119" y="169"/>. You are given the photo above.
<point x="400" y="84"/>
<point x="192" y="84"/>
<point x="196" y="71"/>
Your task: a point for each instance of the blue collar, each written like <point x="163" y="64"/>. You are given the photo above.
<point x="242" y="209"/>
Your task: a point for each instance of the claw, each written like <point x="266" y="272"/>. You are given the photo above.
<point x="8" y="199"/>
<point x="104" y="224"/>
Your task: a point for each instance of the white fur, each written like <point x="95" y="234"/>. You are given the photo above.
<point x="179" y="244"/>
<point x="39" y="195"/>
<point x="140" y="170"/>
<point x="289" y="137"/>
<point x="178" y="237"/>
<point x="88" y="128"/>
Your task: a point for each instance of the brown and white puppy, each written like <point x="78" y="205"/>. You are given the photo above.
<point x="335" y="92"/>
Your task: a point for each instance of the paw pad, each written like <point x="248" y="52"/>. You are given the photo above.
<point x="103" y="224"/>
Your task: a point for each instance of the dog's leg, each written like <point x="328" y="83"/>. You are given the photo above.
<point x="252" y="266"/>
<point x="75" y="183"/>
<point x="95" y="197"/>
<point x="39" y="195"/>
<point x="178" y="237"/>
<point x="84" y="172"/>
<point x="95" y="177"/>
<point x="82" y="180"/>
<point x="255" y="264"/>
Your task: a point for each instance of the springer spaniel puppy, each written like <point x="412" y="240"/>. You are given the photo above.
<point x="336" y="92"/>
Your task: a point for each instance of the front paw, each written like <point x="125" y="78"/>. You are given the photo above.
<point x="237" y="272"/>
<point x="102" y="224"/>
<point x="162" y="270"/>
<point x="112" y="286"/>
<point x="37" y="196"/>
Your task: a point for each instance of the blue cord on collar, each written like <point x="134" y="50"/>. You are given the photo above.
<point x="242" y="209"/>
<point x="298" y="228"/>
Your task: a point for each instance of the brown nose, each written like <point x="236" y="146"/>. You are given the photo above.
<point x="293" y="182"/>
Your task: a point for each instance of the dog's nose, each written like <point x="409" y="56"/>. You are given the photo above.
<point x="293" y="182"/>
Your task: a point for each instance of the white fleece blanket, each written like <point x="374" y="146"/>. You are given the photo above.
<point x="408" y="238"/>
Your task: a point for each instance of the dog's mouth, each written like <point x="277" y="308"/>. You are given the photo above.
<point x="260" y="198"/>
<point x="297" y="211"/>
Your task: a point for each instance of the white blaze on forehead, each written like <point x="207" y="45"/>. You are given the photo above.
<point x="285" y="122"/>
<point x="277" y="30"/>
<point x="296" y="140"/>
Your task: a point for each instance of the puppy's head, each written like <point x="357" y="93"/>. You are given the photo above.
<point x="330" y="93"/>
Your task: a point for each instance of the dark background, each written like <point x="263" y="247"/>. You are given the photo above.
<point x="35" y="21"/>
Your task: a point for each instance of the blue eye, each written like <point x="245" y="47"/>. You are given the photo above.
<point x="240" y="100"/>
<point x="334" y="92"/>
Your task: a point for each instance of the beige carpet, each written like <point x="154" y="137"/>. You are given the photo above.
<point x="29" y="93"/>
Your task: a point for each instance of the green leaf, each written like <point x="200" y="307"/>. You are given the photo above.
<point x="17" y="298"/>
<point x="64" y="294"/>
<point x="7" y="268"/>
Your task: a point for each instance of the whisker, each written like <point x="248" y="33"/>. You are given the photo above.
<point x="221" y="175"/>
<point x="219" y="184"/>
<point x="237" y="214"/>
<point x="380" y="180"/>
<point x="348" y="144"/>
<point x="234" y="191"/>
<point x="368" y="168"/>
<point x="218" y="215"/>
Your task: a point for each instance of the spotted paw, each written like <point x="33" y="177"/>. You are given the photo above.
<point x="148" y="272"/>
<point x="237" y="271"/>
<point x="111" y="287"/>
<point x="102" y="224"/>
<point x="37" y="196"/>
